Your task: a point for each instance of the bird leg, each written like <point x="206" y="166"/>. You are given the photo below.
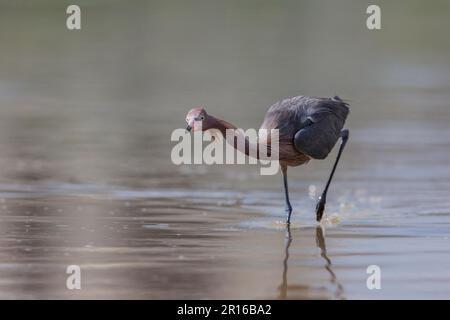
<point x="288" y="207"/>
<point x="320" y="207"/>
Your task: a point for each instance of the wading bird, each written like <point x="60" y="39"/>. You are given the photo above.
<point x="309" y="127"/>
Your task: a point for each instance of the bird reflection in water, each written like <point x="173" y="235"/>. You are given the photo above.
<point x="320" y="242"/>
<point x="288" y="240"/>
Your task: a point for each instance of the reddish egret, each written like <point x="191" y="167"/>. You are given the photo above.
<point x="309" y="127"/>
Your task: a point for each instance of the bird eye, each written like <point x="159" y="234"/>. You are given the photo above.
<point x="202" y="117"/>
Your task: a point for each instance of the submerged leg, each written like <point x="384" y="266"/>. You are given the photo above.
<point x="288" y="207"/>
<point x="320" y="207"/>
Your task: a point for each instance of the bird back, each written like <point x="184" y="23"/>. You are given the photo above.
<point x="322" y="122"/>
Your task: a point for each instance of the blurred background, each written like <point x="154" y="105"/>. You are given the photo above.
<point x="85" y="170"/>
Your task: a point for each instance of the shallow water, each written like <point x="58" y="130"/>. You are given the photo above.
<point x="86" y="176"/>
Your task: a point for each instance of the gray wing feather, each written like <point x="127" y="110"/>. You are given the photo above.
<point x="322" y="120"/>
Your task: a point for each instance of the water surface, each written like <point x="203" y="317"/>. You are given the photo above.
<point x="86" y="176"/>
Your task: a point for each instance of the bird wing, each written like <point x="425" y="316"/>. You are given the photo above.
<point x="322" y="120"/>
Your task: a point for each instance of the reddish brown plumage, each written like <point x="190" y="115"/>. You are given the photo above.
<point x="308" y="127"/>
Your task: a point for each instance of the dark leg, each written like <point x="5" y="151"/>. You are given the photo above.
<point x="320" y="207"/>
<point x="288" y="207"/>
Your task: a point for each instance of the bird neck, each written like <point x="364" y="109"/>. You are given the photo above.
<point x="248" y="148"/>
<point x="221" y="125"/>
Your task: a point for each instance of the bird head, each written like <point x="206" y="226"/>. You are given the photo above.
<point x="197" y="119"/>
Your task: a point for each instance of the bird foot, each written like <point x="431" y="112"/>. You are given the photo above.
<point x="320" y="208"/>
